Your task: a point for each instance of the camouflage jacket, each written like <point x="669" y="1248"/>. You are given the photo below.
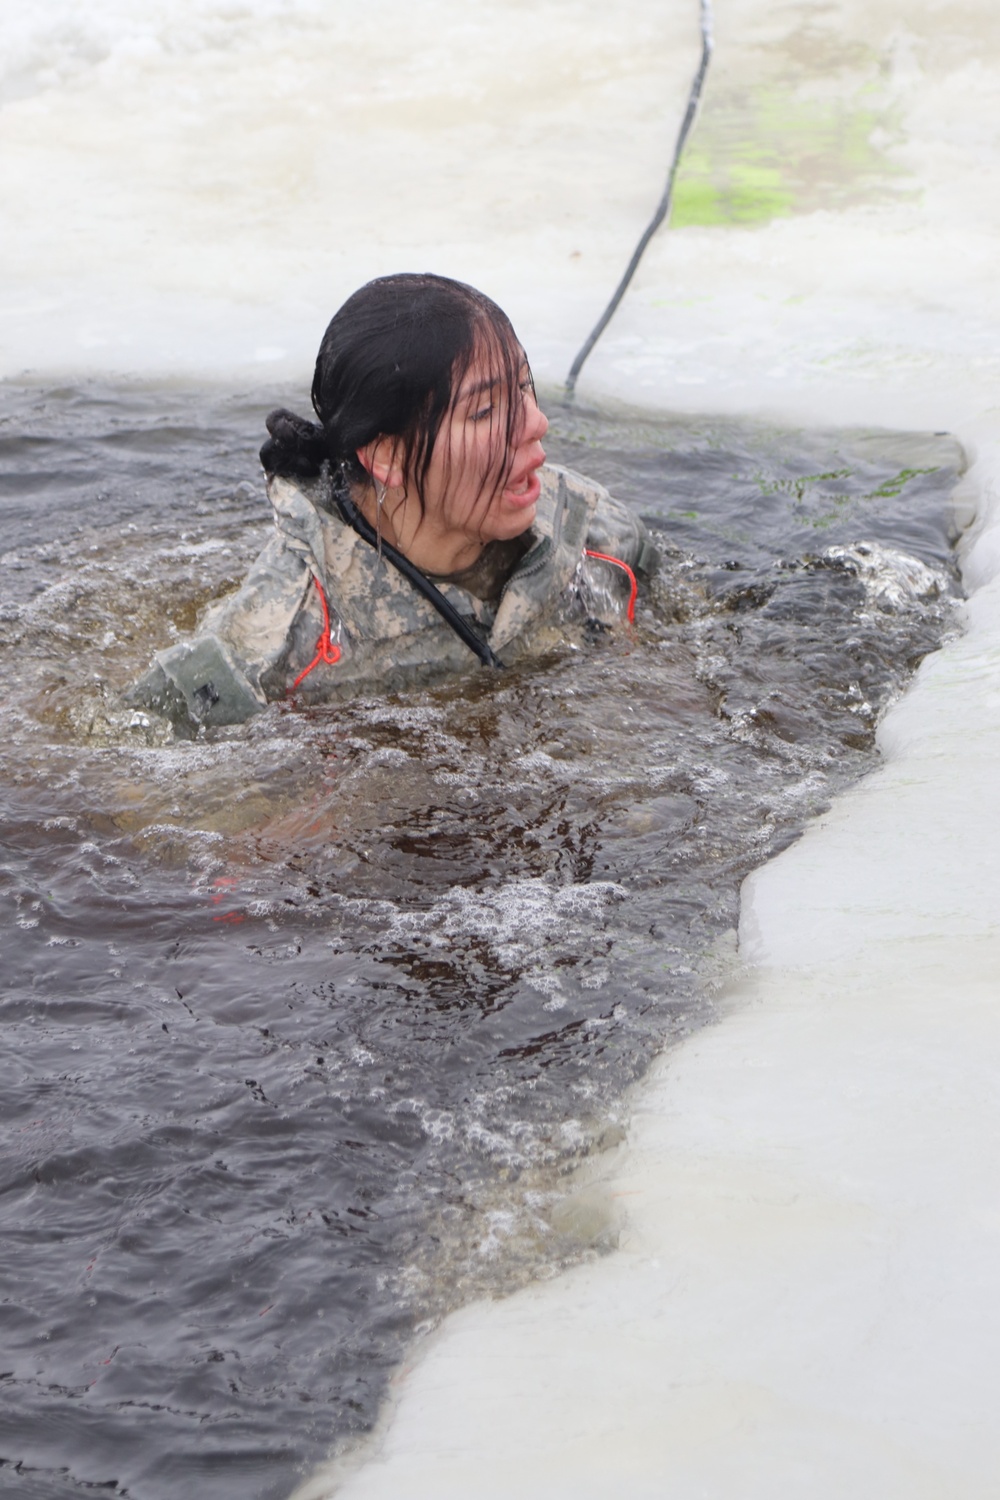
<point x="253" y="645"/>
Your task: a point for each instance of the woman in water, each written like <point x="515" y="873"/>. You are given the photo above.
<point x="417" y="524"/>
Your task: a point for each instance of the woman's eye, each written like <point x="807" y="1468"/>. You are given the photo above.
<point x="483" y="412"/>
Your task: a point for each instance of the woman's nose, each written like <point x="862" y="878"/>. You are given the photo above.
<point x="536" y="423"/>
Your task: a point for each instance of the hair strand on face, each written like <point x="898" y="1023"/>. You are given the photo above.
<point x="498" y="370"/>
<point x="392" y="364"/>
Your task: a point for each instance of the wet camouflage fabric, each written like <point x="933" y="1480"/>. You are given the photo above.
<point x="253" y="645"/>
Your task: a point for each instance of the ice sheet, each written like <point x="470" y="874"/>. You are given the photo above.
<point x="199" y="187"/>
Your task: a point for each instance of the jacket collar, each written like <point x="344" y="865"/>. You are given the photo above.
<point x="358" y="585"/>
<point x="543" y="573"/>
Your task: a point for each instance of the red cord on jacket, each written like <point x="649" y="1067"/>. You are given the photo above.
<point x="326" y="650"/>
<point x="603" y="557"/>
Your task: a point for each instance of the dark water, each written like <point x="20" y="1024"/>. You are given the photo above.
<point x="304" y="1021"/>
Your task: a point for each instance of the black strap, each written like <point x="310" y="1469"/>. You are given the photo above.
<point x="419" y="580"/>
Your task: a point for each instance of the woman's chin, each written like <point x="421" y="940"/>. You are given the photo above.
<point x="515" y="519"/>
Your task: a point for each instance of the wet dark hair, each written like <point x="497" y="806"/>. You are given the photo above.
<point x="391" y="364"/>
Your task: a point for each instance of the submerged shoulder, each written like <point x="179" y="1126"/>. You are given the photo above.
<point x="575" y="486"/>
<point x="300" y="511"/>
<point x="566" y="507"/>
<point x="611" y="525"/>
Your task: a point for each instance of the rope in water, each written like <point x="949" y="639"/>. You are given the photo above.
<point x="662" y="208"/>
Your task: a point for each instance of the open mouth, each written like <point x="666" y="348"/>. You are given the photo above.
<point x="525" y="491"/>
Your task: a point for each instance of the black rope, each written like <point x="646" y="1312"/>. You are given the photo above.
<point x="413" y="575"/>
<point x="663" y="207"/>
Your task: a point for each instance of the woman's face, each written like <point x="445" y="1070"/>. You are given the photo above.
<point x="480" y="483"/>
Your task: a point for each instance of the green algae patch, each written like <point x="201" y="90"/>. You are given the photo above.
<point x="820" y="506"/>
<point x="767" y="152"/>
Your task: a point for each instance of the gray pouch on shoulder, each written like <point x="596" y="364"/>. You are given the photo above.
<point x="196" y="683"/>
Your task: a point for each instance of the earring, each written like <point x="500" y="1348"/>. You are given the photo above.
<point x="379" y="502"/>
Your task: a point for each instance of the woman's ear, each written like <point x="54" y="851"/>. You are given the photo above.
<point x="383" y="460"/>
